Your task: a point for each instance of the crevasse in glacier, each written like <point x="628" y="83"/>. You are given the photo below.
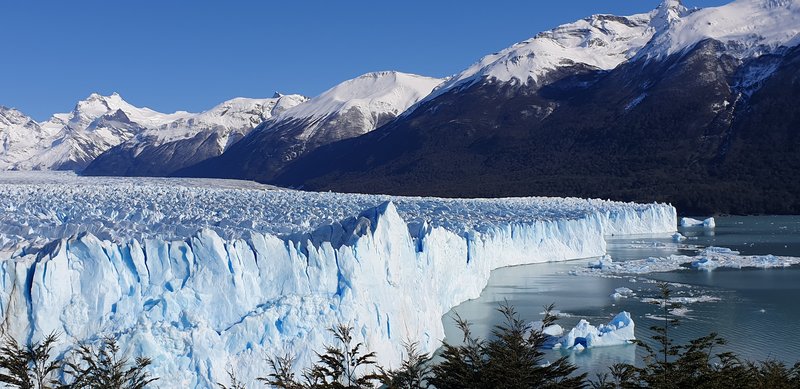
<point x="206" y="304"/>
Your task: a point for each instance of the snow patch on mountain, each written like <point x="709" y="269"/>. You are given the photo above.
<point x="20" y="137"/>
<point x="387" y="92"/>
<point x="70" y="141"/>
<point x="352" y="108"/>
<point x="95" y="106"/>
<point x="599" y="41"/>
<point x="233" y="117"/>
<point x="748" y="28"/>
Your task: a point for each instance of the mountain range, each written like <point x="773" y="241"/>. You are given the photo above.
<point x="692" y="106"/>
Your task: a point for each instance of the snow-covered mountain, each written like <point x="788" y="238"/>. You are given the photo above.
<point x="189" y="139"/>
<point x="682" y="105"/>
<point x="599" y="42"/>
<point x="70" y="141"/>
<point x="352" y="108"/>
<point x="747" y="28"/>
<point x="20" y="137"/>
<point x="129" y="138"/>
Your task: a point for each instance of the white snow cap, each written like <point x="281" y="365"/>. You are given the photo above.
<point x="236" y="115"/>
<point x="599" y="41"/>
<point x="380" y="92"/>
<point x="606" y="41"/>
<point x="748" y="28"/>
<point x="81" y="135"/>
<point x="97" y="105"/>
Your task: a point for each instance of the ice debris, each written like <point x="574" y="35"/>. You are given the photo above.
<point x="622" y="292"/>
<point x="709" y="258"/>
<point x="618" y="331"/>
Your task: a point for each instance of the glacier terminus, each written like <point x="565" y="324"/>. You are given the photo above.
<point x="222" y="292"/>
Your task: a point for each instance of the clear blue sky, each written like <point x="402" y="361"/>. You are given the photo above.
<point x="191" y="55"/>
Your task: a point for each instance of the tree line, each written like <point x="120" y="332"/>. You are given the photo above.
<point x="511" y="357"/>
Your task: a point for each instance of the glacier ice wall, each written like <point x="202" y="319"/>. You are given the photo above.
<point x="204" y="305"/>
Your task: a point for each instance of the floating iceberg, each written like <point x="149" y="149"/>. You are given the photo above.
<point x="601" y="262"/>
<point x="618" y="331"/>
<point x="707" y="223"/>
<point x="622" y="292"/>
<point x="268" y="271"/>
<point x="678" y="237"/>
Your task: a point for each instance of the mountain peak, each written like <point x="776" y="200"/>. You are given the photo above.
<point x="12" y="116"/>
<point x="747" y="27"/>
<point x="385" y="91"/>
<point x="668" y="13"/>
<point x="671" y="4"/>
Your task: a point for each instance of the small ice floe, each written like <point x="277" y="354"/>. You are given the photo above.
<point x="601" y="262"/>
<point x="557" y="313"/>
<point x="622" y="292"/>
<point x="553" y="332"/>
<point x="682" y="311"/>
<point x="684" y="300"/>
<point x="618" y="331"/>
<point x="709" y="258"/>
<point x="707" y="223"/>
<point x="678" y="237"/>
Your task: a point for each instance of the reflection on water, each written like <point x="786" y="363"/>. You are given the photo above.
<point x="756" y="312"/>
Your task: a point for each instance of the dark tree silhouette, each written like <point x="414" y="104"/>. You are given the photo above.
<point x="31" y="366"/>
<point x="102" y="367"/>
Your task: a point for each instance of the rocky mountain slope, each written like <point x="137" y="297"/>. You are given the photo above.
<point x="162" y="150"/>
<point x="695" y="107"/>
<point x="70" y="141"/>
<point x="352" y="108"/>
<point x="107" y="135"/>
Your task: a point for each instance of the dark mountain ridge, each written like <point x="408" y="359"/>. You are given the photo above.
<point x="695" y="129"/>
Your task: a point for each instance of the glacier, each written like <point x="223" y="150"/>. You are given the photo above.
<point x="206" y="276"/>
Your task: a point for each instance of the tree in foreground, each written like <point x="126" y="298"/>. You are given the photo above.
<point x="695" y="364"/>
<point x="102" y="366"/>
<point x="513" y="358"/>
<point x="31" y="366"/>
<point x="236" y="383"/>
<point x="342" y="366"/>
<point x="414" y="372"/>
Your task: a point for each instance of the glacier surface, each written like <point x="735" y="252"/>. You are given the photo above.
<point x="206" y="275"/>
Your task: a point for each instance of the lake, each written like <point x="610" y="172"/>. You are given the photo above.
<point x="755" y="310"/>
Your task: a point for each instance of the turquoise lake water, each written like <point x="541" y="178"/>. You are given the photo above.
<point x="757" y="311"/>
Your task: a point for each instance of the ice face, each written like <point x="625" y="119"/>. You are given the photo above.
<point x="217" y="300"/>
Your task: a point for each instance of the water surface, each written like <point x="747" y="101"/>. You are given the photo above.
<point x="757" y="310"/>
